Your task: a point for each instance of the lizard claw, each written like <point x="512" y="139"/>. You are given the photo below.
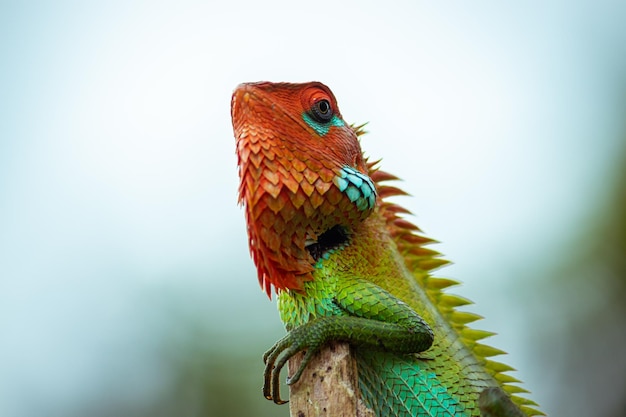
<point x="275" y="359"/>
<point x="277" y="356"/>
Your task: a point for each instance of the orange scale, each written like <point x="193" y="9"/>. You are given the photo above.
<point x="299" y="235"/>
<point x="290" y="182"/>
<point x="282" y="139"/>
<point x="243" y="152"/>
<point x="285" y="238"/>
<point x="272" y="189"/>
<point x="316" y="200"/>
<point x="326" y="209"/>
<point x="256" y="159"/>
<point x="266" y="285"/>
<point x="284" y="163"/>
<point x="255" y="206"/>
<point x="322" y="186"/>
<point x="307" y="188"/>
<point x="254" y="197"/>
<point x="314" y="165"/>
<point x="263" y="235"/>
<point x="309" y="211"/>
<point x="288" y="212"/>
<point x="327" y="176"/>
<point x="271" y="176"/>
<point x="275" y="204"/>
<point x="253" y="172"/>
<point x="274" y="242"/>
<point x="267" y="144"/>
<point x="267" y="218"/>
<point x="334" y="196"/>
<point x="311" y="176"/>
<point x="298" y="165"/>
<point x="285" y="152"/>
<point x="279" y="228"/>
<point x="329" y="163"/>
<point x="255" y="147"/>
<point x="300" y="153"/>
<point x="269" y="154"/>
<point x="293" y="252"/>
<point x="270" y="165"/>
<point x="298" y="198"/>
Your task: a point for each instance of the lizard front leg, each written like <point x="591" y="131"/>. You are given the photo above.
<point x="374" y="319"/>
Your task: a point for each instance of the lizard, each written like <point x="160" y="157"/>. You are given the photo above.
<point x="348" y="266"/>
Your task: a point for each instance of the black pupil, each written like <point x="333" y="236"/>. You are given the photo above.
<point x="322" y="111"/>
<point x="323" y="106"/>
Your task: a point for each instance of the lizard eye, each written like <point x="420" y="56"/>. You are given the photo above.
<point x="322" y="111"/>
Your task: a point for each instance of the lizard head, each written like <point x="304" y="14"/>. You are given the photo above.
<point x="304" y="180"/>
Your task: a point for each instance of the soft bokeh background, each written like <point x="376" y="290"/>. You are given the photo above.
<point x="126" y="287"/>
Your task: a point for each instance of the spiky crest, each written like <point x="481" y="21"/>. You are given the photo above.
<point x="421" y="261"/>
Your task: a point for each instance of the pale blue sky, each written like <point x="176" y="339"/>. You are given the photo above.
<point x="118" y="177"/>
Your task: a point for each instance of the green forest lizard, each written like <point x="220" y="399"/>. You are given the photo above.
<point x="348" y="267"/>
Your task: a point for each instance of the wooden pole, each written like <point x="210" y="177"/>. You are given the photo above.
<point x="328" y="386"/>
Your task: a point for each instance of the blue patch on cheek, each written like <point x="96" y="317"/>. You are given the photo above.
<point x="322" y="128"/>
<point x="358" y="187"/>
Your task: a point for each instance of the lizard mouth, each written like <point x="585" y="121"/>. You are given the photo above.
<point x="334" y="238"/>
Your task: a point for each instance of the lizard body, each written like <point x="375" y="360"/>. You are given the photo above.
<point x="348" y="267"/>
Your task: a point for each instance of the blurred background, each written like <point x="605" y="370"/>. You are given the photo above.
<point x="126" y="287"/>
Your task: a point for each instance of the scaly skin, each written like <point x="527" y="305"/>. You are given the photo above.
<point x="347" y="267"/>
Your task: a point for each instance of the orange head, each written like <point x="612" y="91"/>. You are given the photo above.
<point x="302" y="174"/>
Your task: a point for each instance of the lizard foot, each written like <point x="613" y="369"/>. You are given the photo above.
<point x="310" y="336"/>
